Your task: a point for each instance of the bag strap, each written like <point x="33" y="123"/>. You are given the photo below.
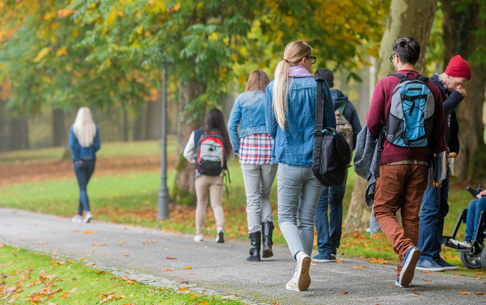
<point x="341" y="108"/>
<point x="197" y="136"/>
<point x="319" y="124"/>
<point x="399" y="75"/>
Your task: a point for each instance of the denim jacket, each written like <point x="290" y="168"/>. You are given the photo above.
<point x="295" y="145"/>
<point x="80" y="152"/>
<point x="249" y="111"/>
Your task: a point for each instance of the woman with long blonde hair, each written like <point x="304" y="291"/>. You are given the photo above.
<point x="290" y="118"/>
<point x="84" y="142"/>
<point x="254" y="147"/>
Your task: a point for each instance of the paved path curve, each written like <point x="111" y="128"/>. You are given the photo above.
<point x="222" y="267"/>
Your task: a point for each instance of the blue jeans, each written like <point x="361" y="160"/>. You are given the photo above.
<point x="83" y="173"/>
<point x="329" y="231"/>
<point x="298" y="193"/>
<point x="431" y="225"/>
<point x="473" y="213"/>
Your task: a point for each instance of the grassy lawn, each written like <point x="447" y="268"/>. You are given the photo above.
<point x="132" y="198"/>
<point x="30" y="277"/>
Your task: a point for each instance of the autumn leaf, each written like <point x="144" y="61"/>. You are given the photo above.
<point x="344" y="292"/>
<point x="98" y="245"/>
<point x="12" y="299"/>
<point x="426" y="280"/>
<point x="2" y="245"/>
<point x="127" y="254"/>
<point x="171" y="269"/>
<point x="339" y="261"/>
<point x="479" y="293"/>
<point x="182" y="289"/>
<point x="193" y="296"/>
<point x="479" y="273"/>
<point x="170" y="257"/>
<point x="65" y="295"/>
<point x="50" y="303"/>
<point x="458" y="274"/>
<point x="82" y="258"/>
<point x="188" y="267"/>
<point x="74" y="289"/>
<point x="414" y="292"/>
<point x="90" y="232"/>
<point x="464" y="292"/>
<point x="39" y="243"/>
<point x="89" y="251"/>
<point x="379" y="261"/>
<point x="190" y="273"/>
<point x="391" y="286"/>
<point x="478" y="278"/>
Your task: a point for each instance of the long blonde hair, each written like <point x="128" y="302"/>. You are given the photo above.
<point x="84" y="127"/>
<point x="293" y="54"/>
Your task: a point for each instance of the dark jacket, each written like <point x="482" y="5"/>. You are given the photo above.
<point x="338" y="98"/>
<point x="451" y="100"/>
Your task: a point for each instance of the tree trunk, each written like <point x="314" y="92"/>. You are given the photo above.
<point x="459" y="38"/>
<point x="58" y="128"/>
<point x="358" y="216"/>
<point x="184" y="191"/>
<point x="125" y="125"/>
<point x="19" y="130"/>
<point x="407" y="18"/>
<point x="138" y="128"/>
<point x="153" y="123"/>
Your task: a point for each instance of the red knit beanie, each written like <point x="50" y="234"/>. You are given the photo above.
<point x="458" y="67"/>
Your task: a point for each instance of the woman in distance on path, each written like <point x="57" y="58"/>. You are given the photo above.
<point x="254" y="147"/>
<point x="84" y="142"/>
<point x="290" y="119"/>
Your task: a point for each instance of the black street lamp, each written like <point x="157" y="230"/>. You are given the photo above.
<point x="163" y="196"/>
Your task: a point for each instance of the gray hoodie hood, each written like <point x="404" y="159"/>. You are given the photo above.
<point x="338" y="98"/>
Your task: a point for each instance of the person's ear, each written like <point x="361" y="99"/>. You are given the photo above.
<point x="332" y="85"/>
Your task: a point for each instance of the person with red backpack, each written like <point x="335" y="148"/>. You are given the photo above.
<point x="209" y="148"/>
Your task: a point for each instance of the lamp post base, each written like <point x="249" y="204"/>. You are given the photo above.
<point x="163" y="203"/>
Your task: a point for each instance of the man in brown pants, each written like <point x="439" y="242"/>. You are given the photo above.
<point x="403" y="170"/>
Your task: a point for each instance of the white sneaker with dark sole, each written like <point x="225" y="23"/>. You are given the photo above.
<point x="199" y="238"/>
<point x="302" y="277"/>
<point x="87" y="218"/>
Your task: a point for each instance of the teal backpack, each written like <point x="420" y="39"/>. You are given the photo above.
<point x="411" y="118"/>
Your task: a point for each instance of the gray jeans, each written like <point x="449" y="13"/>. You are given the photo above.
<point x="258" y="184"/>
<point x="298" y="193"/>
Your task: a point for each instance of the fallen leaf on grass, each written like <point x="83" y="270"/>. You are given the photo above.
<point x="464" y="292"/>
<point x="344" y="292"/>
<point x="188" y="267"/>
<point x="379" y="261"/>
<point x="39" y="243"/>
<point x="98" y="245"/>
<point x="414" y="292"/>
<point x="170" y="257"/>
<point x="12" y="299"/>
<point x="82" y="258"/>
<point x="479" y="293"/>
<point x="65" y="295"/>
<point x="74" y="289"/>
<point x="2" y="245"/>
<point x="426" y="280"/>
<point x="106" y="298"/>
<point x="479" y="273"/>
<point x="193" y="296"/>
<point x="458" y="274"/>
<point x="90" y="232"/>
<point x="50" y="303"/>
<point x="171" y="269"/>
<point x="182" y="289"/>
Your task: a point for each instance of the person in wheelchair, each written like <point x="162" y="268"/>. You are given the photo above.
<point x="474" y="210"/>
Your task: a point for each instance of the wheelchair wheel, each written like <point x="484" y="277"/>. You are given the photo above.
<point x="483" y="257"/>
<point x="472" y="261"/>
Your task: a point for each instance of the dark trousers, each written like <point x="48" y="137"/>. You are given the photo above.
<point x="434" y="210"/>
<point x="395" y="181"/>
<point x="83" y="170"/>
<point x="329" y="230"/>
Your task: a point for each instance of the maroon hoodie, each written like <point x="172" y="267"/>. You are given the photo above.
<point x="378" y="113"/>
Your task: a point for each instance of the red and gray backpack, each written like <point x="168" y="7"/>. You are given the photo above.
<point x="210" y="158"/>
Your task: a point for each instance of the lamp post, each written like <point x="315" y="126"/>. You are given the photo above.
<point x="163" y="196"/>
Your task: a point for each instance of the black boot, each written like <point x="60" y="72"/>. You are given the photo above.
<point x="255" y="239"/>
<point x="267" y="231"/>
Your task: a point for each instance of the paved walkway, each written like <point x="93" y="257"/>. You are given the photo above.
<point x="222" y="267"/>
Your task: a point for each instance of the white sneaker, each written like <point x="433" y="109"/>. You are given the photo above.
<point x="87" y="217"/>
<point x="220" y="235"/>
<point x="302" y="277"/>
<point x="199" y="238"/>
<point x="77" y="218"/>
<point x="292" y="285"/>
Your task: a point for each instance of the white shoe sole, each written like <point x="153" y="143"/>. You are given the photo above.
<point x="408" y="268"/>
<point x="321" y="260"/>
<point x="431" y="269"/>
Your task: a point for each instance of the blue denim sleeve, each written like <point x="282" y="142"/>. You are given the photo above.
<point x="270" y="119"/>
<point x="233" y="122"/>
<point x="330" y="116"/>
<point x="97" y="140"/>
<point x="74" y="145"/>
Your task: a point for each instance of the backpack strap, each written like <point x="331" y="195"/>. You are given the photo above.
<point x="197" y="136"/>
<point x="399" y="75"/>
<point x="341" y="108"/>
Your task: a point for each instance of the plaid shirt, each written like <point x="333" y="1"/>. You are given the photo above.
<point x="256" y="149"/>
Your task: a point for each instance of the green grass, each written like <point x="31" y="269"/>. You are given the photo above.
<point x="110" y="149"/>
<point x="76" y="283"/>
<point x="132" y="199"/>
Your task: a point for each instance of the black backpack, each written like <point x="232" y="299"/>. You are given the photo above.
<point x="210" y="157"/>
<point x="332" y="154"/>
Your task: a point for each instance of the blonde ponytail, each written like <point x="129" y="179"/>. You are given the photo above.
<point x="293" y="54"/>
